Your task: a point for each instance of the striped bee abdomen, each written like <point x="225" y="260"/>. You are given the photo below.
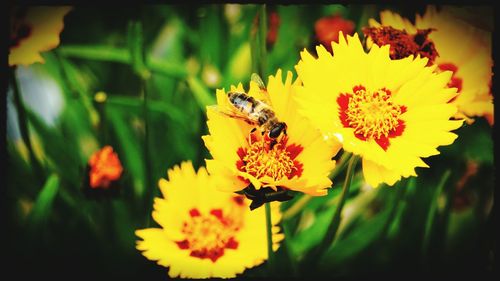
<point x="243" y="102"/>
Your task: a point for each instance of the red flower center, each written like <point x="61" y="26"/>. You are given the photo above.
<point x="261" y="159"/>
<point x="208" y="236"/>
<point x="372" y="115"/>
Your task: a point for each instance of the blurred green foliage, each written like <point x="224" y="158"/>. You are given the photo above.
<point x="177" y="56"/>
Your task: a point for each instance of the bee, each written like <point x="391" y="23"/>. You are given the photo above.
<point x="256" y="112"/>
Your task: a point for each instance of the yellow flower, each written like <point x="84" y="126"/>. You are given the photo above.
<point x="389" y="112"/>
<point x="299" y="159"/>
<point x="461" y="48"/>
<point x="205" y="232"/>
<point x="34" y="30"/>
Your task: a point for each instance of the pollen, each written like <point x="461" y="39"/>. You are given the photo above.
<point x="208" y="235"/>
<point x="372" y="115"/>
<point x="276" y="162"/>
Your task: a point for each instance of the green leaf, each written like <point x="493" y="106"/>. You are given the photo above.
<point x="169" y="43"/>
<point x="43" y="204"/>
<point x="130" y="148"/>
<point x="239" y="67"/>
<point x="176" y="70"/>
<point x="344" y="249"/>
<point x="329" y="10"/>
<point x="476" y="141"/>
<point x="19" y="169"/>
<point x="135" y="42"/>
<point x="312" y="235"/>
<point x="96" y="52"/>
<point x="431" y="215"/>
<point x="368" y="11"/>
<point x="212" y="30"/>
<point x="293" y="36"/>
<point x="135" y="105"/>
<point x="122" y="55"/>
<point x="76" y="82"/>
<point x="61" y="152"/>
<point x="200" y="92"/>
<point x="123" y="224"/>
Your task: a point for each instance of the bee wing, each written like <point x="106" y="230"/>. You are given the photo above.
<point x="262" y="96"/>
<point x="256" y="78"/>
<point x="232" y="114"/>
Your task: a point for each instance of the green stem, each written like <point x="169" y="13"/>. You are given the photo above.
<point x="269" y="232"/>
<point x="400" y="190"/>
<point x="341" y="164"/>
<point x="296" y="207"/>
<point x="335" y="223"/>
<point x="262" y="41"/>
<point x="146" y="134"/>
<point x="432" y="213"/>
<point x="100" y="100"/>
<point x="292" y="258"/>
<point x="23" y="126"/>
<point x="261" y="62"/>
<point x="137" y="54"/>
<point x="72" y="79"/>
<point x="299" y="204"/>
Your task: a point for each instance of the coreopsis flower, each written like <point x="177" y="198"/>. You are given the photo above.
<point x="452" y="44"/>
<point x="390" y="112"/>
<point x="104" y="168"/>
<point x="204" y="232"/>
<point x="327" y="29"/>
<point x="247" y="158"/>
<point x="34" y="30"/>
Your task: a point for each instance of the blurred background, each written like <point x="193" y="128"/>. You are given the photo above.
<point x="90" y="93"/>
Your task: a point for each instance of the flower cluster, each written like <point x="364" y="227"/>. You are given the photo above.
<point x="390" y="93"/>
<point x="391" y="100"/>
<point x="454" y="45"/>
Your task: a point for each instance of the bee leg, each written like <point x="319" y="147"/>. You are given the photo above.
<point x="250" y="135"/>
<point x="272" y="144"/>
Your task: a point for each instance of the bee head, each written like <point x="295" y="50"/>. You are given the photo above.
<point x="277" y="129"/>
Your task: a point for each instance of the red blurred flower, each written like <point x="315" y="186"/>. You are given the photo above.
<point x="105" y="167"/>
<point x="274" y="24"/>
<point x="328" y="28"/>
<point x="402" y="44"/>
<point x="464" y="198"/>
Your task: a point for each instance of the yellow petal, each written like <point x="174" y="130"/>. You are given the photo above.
<point x="46" y="24"/>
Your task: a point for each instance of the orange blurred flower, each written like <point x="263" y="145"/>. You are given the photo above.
<point x="105" y="167"/>
<point x="327" y="29"/>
